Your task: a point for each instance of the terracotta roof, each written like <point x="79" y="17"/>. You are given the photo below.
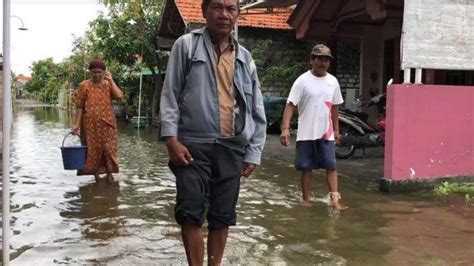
<point x="23" y="78"/>
<point x="190" y="11"/>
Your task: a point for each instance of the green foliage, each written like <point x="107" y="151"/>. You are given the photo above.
<point x="126" y="39"/>
<point x="14" y="85"/>
<point x="126" y="32"/>
<point x="75" y="66"/>
<point x="446" y="189"/>
<point x="293" y="62"/>
<point x="46" y="80"/>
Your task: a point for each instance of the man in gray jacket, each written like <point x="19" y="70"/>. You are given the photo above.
<point x="213" y="120"/>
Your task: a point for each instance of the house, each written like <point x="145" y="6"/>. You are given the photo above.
<point x="19" y="85"/>
<point x="430" y="124"/>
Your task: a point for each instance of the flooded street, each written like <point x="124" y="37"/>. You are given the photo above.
<point x="60" y="218"/>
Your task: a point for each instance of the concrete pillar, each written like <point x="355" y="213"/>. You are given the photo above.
<point x="1" y="105"/>
<point x="418" y="75"/>
<point x="407" y="76"/>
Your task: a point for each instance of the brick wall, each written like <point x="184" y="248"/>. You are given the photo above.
<point x="348" y="61"/>
<point x="348" y="65"/>
<point x="251" y="38"/>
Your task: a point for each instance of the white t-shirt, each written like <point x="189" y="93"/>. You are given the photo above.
<point x="314" y="98"/>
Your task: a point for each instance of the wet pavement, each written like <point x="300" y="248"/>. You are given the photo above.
<point x="60" y="218"/>
<point x="364" y="166"/>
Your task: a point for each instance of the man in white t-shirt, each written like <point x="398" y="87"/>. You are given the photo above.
<point x="316" y="94"/>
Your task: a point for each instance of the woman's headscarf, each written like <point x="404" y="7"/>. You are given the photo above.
<point x="97" y="63"/>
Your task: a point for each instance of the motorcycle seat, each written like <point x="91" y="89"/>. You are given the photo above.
<point x="362" y="116"/>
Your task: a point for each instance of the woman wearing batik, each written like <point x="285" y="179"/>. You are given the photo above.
<point x="95" y="122"/>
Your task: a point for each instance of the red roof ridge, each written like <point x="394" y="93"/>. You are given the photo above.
<point x="23" y="77"/>
<point x="190" y="11"/>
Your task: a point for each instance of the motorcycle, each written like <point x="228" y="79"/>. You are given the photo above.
<point x="357" y="133"/>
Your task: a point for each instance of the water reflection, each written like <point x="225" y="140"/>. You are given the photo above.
<point x="96" y="204"/>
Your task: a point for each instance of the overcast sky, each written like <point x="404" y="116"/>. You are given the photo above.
<point x="51" y="25"/>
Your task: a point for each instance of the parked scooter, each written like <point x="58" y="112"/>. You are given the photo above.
<point x="357" y="133"/>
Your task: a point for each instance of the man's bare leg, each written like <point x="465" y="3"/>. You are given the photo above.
<point x="331" y="179"/>
<point x="305" y="186"/>
<point x="193" y="243"/>
<point x="215" y="245"/>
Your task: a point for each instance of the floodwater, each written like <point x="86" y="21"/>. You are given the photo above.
<point x="60" y="218"/>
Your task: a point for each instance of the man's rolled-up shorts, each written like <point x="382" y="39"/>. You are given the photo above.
<point x="315" y="154"/>
<point x="209" y="186"/>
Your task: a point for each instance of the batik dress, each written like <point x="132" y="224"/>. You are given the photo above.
<point x="98" y="128"/>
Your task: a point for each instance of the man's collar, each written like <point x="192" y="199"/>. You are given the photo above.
<point x="231" y="41"/>
<point x="205" y="32"/>
<point x="230" y="45"/>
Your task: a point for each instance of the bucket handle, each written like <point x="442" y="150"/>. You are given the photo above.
<point x="70" y="133"/>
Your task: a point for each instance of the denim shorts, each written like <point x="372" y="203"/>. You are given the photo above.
<point x="315" y="154"/>
<point x="209" y="186"/>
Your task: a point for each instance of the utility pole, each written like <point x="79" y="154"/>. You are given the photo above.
<point x="7" y="118"/>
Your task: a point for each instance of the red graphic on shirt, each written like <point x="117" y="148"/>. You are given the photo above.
<point x="329" y="130"/>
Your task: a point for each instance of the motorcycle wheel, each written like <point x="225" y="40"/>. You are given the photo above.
<point x="344" y="152"/>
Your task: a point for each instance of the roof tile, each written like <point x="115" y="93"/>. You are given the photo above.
<point x="190" y="10"/>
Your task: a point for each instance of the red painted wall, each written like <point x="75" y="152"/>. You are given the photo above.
<point x="430" y="132"/>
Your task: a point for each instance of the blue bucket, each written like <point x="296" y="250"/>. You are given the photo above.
<point x="74" y="157"/>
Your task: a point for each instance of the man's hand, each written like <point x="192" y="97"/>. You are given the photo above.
<point x="247" y="169"/>
<point x="285" y="137"/>
<point x="178" y="153"/>
<point x="337" y="137"/>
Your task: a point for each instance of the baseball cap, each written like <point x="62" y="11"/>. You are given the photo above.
<point x="321" y="50"/>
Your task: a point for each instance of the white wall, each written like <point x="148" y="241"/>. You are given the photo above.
<point x="438" y="34"/>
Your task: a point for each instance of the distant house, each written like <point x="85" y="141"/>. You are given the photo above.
<point x="22" y="79"/>
<point x="254" y="27"/>
<point x="19" y="85"/>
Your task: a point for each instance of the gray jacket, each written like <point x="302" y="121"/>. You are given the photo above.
<point x="189" y="107"/>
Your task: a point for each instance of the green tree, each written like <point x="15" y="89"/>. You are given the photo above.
<point x="127" y="35"/>
<point x="14" y="85"/>
<point x="75" y="66"/>
<point x="294" y="62"/>
<point x="125" y="38"/>
<point x="46" y="80"/>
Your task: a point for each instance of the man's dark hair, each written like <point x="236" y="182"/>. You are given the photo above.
<point x="206" y="3"/>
